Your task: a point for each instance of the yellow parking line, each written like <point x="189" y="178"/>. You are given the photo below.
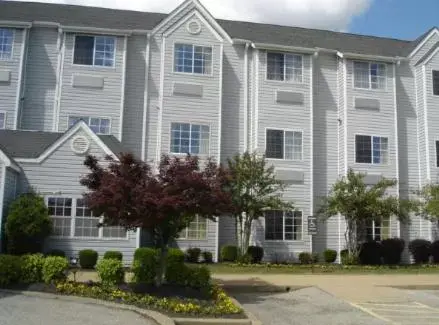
<point x="370" y="312"/>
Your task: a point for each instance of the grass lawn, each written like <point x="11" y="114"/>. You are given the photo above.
<point x="226" y="268"/>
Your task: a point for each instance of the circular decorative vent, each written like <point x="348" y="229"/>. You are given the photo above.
<point x="193" y="27"/>
<point x="80" y="145"/>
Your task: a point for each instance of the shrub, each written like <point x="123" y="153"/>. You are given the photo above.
<point x="370" y="253"/>
<point x="348" y="259"/>
<point x="315" y="258"/>
<point x="88" y="258"/>
<point x="27" y="225"/>
<point x="245" y="259"/>
<point x="55" y="268"/>
<point x="145" y="265"/>
<point x="256" y="253"/>
<point x="10" y="269"/>
<point x="176" y="271"/>
<point x="199" y="278"/>
<point x="207" y="257"/>
<point x="113" y="255"/>
<point x="330" y="256"/>
<point x="305" y="258"/>
<point x="110" y="271"/>
<point x="229" y="253"/>
<point x="392" y="249"/>
<point x="193" y="255"/>
<point x="420" y="250"/>
<point x="32" y="268"/>
<point x="435" y="251"/>
<point x="56" y="252"/>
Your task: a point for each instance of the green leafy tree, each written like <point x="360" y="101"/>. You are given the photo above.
<point x="360" y="203"/>
<point x="27" y="225"/>
<point x="428" y="204"/>
<point x="254" y="189"/>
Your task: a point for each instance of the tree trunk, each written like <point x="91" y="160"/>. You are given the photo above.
<point x="247" y="228"/>
<point x="161" y="269"/>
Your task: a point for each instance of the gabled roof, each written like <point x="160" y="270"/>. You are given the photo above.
<point x="81" y="16"/>
<point x="429" y="53"/>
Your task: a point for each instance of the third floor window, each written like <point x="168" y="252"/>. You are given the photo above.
<point x="284" y="67"/>
<point x="94" y="50"/>
<point x="96" y="124"/>
<point x="371" y="149"/>
<point x="369" y="75"/>
<point x="193" y="59"/>
<point x="6" y="42"/>
<point x="436" y="82"/>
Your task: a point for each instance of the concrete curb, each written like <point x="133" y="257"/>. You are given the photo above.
<point x="157" y="317"/>
<point x="250" y="316"/>
<point x="211" y="321"/>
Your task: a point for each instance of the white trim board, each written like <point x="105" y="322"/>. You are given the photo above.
<point x="435" y="31"/>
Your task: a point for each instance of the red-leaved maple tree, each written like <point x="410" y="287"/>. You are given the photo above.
<point x="164" y="200"/>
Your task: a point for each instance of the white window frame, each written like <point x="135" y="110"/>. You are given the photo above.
<point x="11" y="55"/>
<point x="201" y="124"/>
<point x="370" y="75"/>
<point x="73" y="222"/>
<point x="94" y="52"/>
<point x="374" y="227"/>
<point x="371" y="154"/>
<point x="283" y="229"/>
<point x="87" y="120"/>
<point x="284" y="81"/>
<point x="193" y="59"/>
<point x="284" y="130"/>
<point x="3" y="127"/>
<point x="184" y="235"/>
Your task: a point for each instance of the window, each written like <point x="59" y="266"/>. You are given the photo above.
<point x="6" y="42"/>
<point x="436" y="82"/>
<point x="281" y="144"/>
<point x="284" y="67"/>
<point x="369" y="75"/>
<point x="280" y="225"/>
<point x="2" y="120"/>
<point x="197" y="230"/>
<point x="72" y="219"/>
<point x="189" y="138"/>
<point x="437" y="153"/>
<point x="97" y="125"/>
<point x="371" y="149"/>
<point x="378" y="230"/>
<point x="192" y="59"/>
<point x="94" y="50"/>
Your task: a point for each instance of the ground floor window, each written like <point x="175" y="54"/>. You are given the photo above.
<point x="197" y="230"/>
<point x="73" y="219"/>
<point x="283" y="225"/>
<point x="378" y="230"/>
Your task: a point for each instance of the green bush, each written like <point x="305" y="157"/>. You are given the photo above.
<point x="144" y="266"/>
<point x="256" y="253"/>
<point x="371" y="253"/>
<point x="55" y="268"/>
<point x="199" y="278"/>
<point x="56" y="252"/>
<point x="10" y="269"/>
<point x="305" y="258"/>
<point x="315" y="258"/>
<point x="244" y="259"/>
<point x="330" y="256"/>
<point x="435" y="251"/>
<point x="207" y="257"/>
<point x="176" y="271"/>
<point x="420" y="250"/>
<point x="32" y="268"/>
<point x="88" y="258"/>
<point x="110" y="271"/>
<point x="175" y="256"/>
<point x="229" y="253"/>
<point x="392" y="249"/>
<point x="193" y="255"/>
<point x="348" y="259"/>
<point x="113" y="255"/>
<point x="27" y="225"/>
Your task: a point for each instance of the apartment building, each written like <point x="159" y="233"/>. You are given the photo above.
<point x="81" y="80"/>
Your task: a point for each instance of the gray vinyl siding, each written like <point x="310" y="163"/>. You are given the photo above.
<point x="134" y="94"/>
<point x="209" y="244"/>
<point x="227" y="231"/>
<point x="432" y="102"/>
<point x="425" y="48"/>
<point x="10" y="189"/>
<point x="59" y="175"/>
<point x="93" y="102"/>
<point x="9" y="90"/>
<point x="40" y="80"/>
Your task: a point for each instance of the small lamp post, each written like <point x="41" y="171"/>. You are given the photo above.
<point x="74" y="267"/>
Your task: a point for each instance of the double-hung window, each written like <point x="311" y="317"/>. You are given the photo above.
<point x="437" y="153"/>
<point x="96" y="124"/>
<point x="2" y="120"/>
<point x="94" y="50"/>
<point x="284" y="67"/>
<point x="436" y="82"/>
<point x="369" y="75"/>
<point x="283" y="225"/>
<point x="190" y="138"/>
<point x="281" y="144"/>
<point x="371" y="149"/>
<point x="190" y="58"/>
<point x="6" y="43"/>
<point x="73" y="219"/>
<point x="197" y="230"/>
<point x="378" y="230"/>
